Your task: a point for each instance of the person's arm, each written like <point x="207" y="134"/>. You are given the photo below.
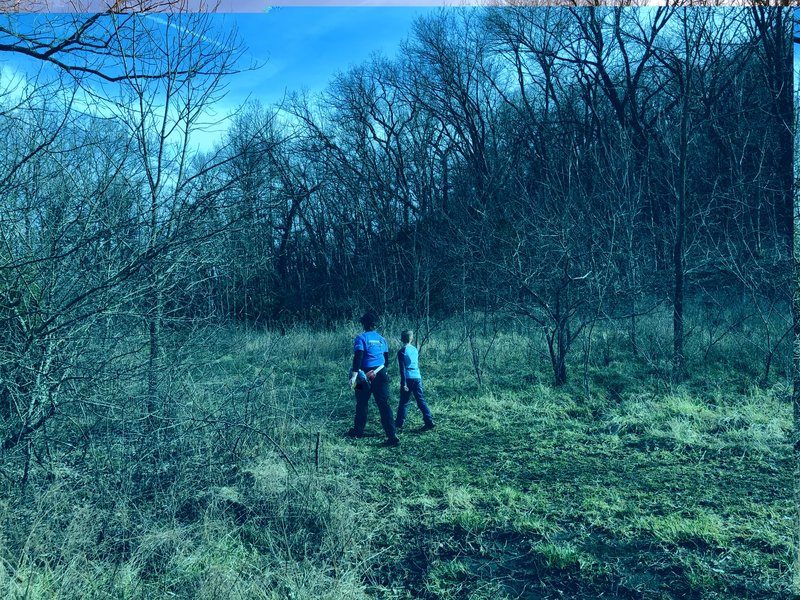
<point x="358" y="353"/>
<point x="401" y="362"/>
<point x="357" y="356"/>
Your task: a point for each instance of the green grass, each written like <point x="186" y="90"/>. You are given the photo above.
<point x="522" y="491"/>
<point x="649" y="494"/>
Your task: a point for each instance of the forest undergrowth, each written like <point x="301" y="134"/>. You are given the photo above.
<point x="620" y="484"/>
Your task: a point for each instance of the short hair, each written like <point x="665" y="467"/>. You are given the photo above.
<point x="369" y="319"/>
<point x="406" y="336"/>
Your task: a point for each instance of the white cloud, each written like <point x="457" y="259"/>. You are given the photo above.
<point x="12" y="83"/>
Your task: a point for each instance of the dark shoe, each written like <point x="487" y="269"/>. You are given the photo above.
<point x="391" y="443"/>
<point x="354" y="434"/>
<point x="428" y="426"/>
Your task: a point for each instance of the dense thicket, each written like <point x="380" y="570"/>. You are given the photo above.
<point x="557" y="164"/>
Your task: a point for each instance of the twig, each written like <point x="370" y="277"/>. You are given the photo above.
<point x="316" y="453"/>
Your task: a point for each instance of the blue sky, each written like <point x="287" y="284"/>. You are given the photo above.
<point x="304" y="47"/>
<point x="298" y="48"/>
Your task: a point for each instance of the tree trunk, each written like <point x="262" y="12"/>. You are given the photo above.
<point x="678" y="358"/>
<point x="154" y="350"/>
<point x="561" y="366"/>
<point x="795" y="245"/>
<point x="558" y="340"/>
<point x="558" y="355"/>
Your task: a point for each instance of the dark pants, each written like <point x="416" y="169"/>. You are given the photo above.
<point x="414" y="387"/>
<point x="379" y="388"/>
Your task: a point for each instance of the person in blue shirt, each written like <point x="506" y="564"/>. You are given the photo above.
<point x="369" y="377"/>
<point x="411" y="382"/>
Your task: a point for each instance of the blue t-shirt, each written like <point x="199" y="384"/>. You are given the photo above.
<point x="410" y="366"/>
<point x="373" y="346"/>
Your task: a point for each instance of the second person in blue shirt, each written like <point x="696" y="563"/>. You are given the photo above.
<point x="411" y="382"/>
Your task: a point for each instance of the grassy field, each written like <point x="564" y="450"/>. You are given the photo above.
<point x="618" y="485"/>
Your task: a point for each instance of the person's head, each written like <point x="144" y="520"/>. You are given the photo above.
<point x="407" y="336"/>
<point x="369" y="320"/>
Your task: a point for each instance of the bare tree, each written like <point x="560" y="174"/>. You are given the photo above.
<point x="68" y="247"/>
<point x="148" y="83"/>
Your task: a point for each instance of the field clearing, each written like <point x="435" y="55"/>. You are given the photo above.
<point x="522" y="490"/>
<point x="526" y="494"/>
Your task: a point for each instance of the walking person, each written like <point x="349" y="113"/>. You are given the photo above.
<point x="411" y="382"/>
<point x="369" y="377"/>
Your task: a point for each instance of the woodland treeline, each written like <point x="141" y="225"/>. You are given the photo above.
<point x="556" y="164"/>
<point x="561" y="165"/>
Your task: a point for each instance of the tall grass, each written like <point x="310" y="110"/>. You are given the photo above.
<point x="246" y="489"/>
